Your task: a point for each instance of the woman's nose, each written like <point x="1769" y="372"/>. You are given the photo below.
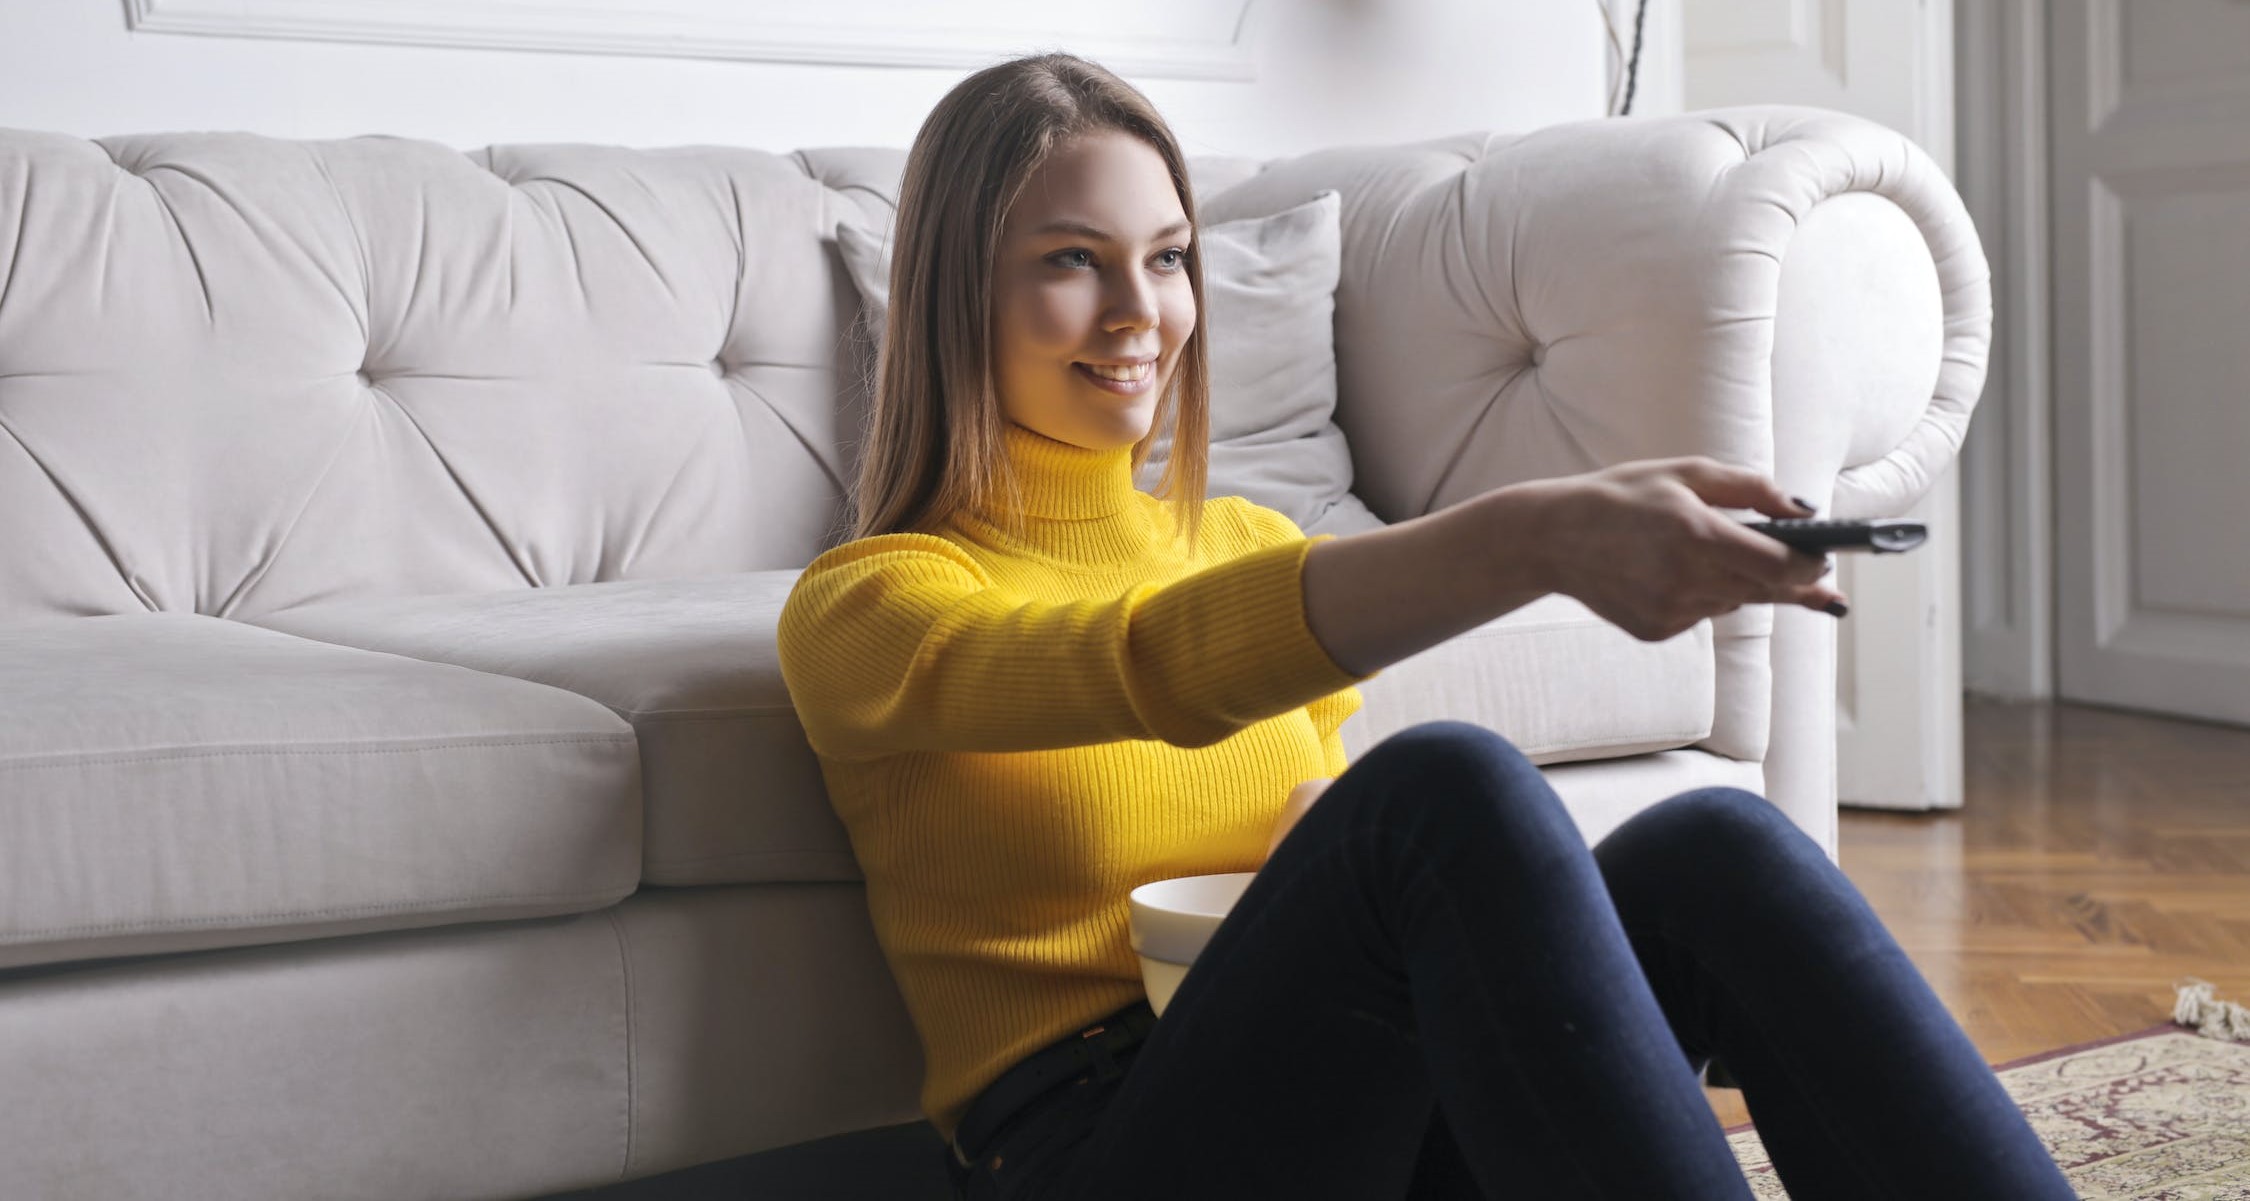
<point x="1132" y="303"/>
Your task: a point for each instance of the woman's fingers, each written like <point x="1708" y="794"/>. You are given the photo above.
<point x="1759" y="579"/>
<point x="1726" y="486"/>
<point x="1651" y="553"/>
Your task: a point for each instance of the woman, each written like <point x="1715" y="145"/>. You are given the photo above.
<point x="1033" y="687"/>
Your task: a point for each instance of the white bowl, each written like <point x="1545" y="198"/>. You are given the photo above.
<point x="1172" y="919"/>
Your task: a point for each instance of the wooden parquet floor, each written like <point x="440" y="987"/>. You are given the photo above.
<point x="2099" y="857"/>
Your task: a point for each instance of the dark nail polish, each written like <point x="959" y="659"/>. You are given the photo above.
<point x="1802" y="503"/>
<point x="1837" y="608"/>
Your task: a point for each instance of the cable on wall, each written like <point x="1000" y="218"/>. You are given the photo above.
<point x="1632" y="58"/>
<point x="1633" y="64"/>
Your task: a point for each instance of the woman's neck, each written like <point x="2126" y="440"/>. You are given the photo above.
<point x="1063" y="481"/>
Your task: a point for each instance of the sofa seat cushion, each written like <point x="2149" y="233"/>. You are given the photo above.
<point x="733" y="791"/>
<point x="1560" y="682"/>
<point x="170" y="782"/>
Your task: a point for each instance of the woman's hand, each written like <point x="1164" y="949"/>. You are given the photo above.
<point x="1300" y="800"/>
<point x="1642" y="545"/>
<point x="1639" y="543"/>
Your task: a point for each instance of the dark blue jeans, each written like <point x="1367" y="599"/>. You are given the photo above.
<point x="1436" y="990"/>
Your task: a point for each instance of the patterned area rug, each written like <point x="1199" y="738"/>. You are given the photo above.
<point x="2159" y="1115"/>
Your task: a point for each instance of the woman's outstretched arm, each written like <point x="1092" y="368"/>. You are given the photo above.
<point x="902" y="642"/>
<point x="1642" y="544"/>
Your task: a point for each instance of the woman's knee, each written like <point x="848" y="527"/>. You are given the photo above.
<point x="1733" y="815"/>
<point x="1696" y="830"/>
<point x="1729" y="863"/>
<point x="1451" y="747"/>
<point x="1455" y="773"/>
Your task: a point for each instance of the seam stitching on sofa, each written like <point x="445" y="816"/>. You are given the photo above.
<point x="255" y="921"/>
<point x="366" y="310"/>
<point x="164" y="205"/>
<point x="468" y="495"/>
<point x="249" y="586"/>
<point x="812" y="445"/>
<point x="754" y="856"/>
<point x="81" y="759"/>
<point x="101" y="540"/>
<point x="15" y="244"/>
<point x="698" y="448"/>
<point x="625" y="968"/>
<point x="683" y="715"/>
<point x="1579" y="745"/>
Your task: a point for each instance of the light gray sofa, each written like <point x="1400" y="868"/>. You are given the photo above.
<point x="398" y="795"/>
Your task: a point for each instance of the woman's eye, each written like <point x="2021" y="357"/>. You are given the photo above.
<point x="1173" y="259"/>
<point x="1071" y="258"/>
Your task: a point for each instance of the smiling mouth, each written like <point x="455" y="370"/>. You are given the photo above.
<point x="1132" y="373"/>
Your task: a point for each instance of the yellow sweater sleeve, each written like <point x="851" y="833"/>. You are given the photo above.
<point x="901" y="642"/>
<point x="1327" y="714"/>
<point x="1271" y="526"/>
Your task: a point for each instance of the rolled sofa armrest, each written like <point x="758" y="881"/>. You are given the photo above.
<point x="1791" y="289"/>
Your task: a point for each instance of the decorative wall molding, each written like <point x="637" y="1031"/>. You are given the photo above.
<point x="2105" y="67"/>
<point x="2110" y="483"/>
<point x="2115" y="91"/>
<point x="1829" y="16"/>
<point x="2120" y="396"/>
<point x="1188" y="39"/>
<point x="1865" y="57"/>
<point x="1810" y="30"/>
<point x="2149" y="172"/>
<point x="2007" y="464"/>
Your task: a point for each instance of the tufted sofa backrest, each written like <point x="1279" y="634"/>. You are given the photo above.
<point x="240" y="374"/>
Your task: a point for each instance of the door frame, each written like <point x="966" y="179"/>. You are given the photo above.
<point x="2007" y="465"/>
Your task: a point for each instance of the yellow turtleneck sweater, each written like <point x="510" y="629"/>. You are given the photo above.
<point x="1017" y="732"/>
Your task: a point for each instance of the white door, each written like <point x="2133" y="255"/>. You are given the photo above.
<point x="2150" y="106"/>
<point x="1898" y="657"/>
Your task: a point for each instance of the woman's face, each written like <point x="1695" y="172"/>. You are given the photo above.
<point x="1090" y="296"/>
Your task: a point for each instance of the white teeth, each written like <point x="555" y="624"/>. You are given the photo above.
<point x="1123" y="375"/>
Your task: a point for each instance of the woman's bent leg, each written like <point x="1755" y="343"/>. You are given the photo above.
<point x="1765" y="955"/>
<point x="1435" y="927"/>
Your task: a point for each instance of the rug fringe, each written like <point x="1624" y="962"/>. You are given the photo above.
<point x="2211" y="1018"/>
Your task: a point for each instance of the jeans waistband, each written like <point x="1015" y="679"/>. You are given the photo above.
<point x="1093" y="1049"/>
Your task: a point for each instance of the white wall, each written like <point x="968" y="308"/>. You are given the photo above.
<point x="1330" y="72"/>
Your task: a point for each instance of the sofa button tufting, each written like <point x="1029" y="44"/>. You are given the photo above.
<point x="1538" y="354"/>
<point x="719" y="368"/>
<point x="365" y="380"/>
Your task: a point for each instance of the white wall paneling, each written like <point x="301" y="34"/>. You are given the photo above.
<point x="2006" y="469"/>
<point x="1294" y="76"/>
<point x="1887" y="60"/>
<point x="1196" y="39"/>
<point x="2150" y="106"/>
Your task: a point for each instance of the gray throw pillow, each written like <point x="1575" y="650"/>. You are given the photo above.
<point x="1270" y="284"/>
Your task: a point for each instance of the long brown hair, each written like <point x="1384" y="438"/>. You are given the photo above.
<point x="935" y="435"/>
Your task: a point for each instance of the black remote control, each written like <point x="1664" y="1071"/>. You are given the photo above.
<point x="1881" y="535"/>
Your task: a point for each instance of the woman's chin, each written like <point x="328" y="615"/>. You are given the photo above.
<point x="1099" y="421"/>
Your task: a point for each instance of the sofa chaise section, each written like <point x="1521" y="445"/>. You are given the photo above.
<point x="171" y="782"/>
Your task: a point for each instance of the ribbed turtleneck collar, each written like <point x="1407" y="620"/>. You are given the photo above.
<point x="1060" y="480"/>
